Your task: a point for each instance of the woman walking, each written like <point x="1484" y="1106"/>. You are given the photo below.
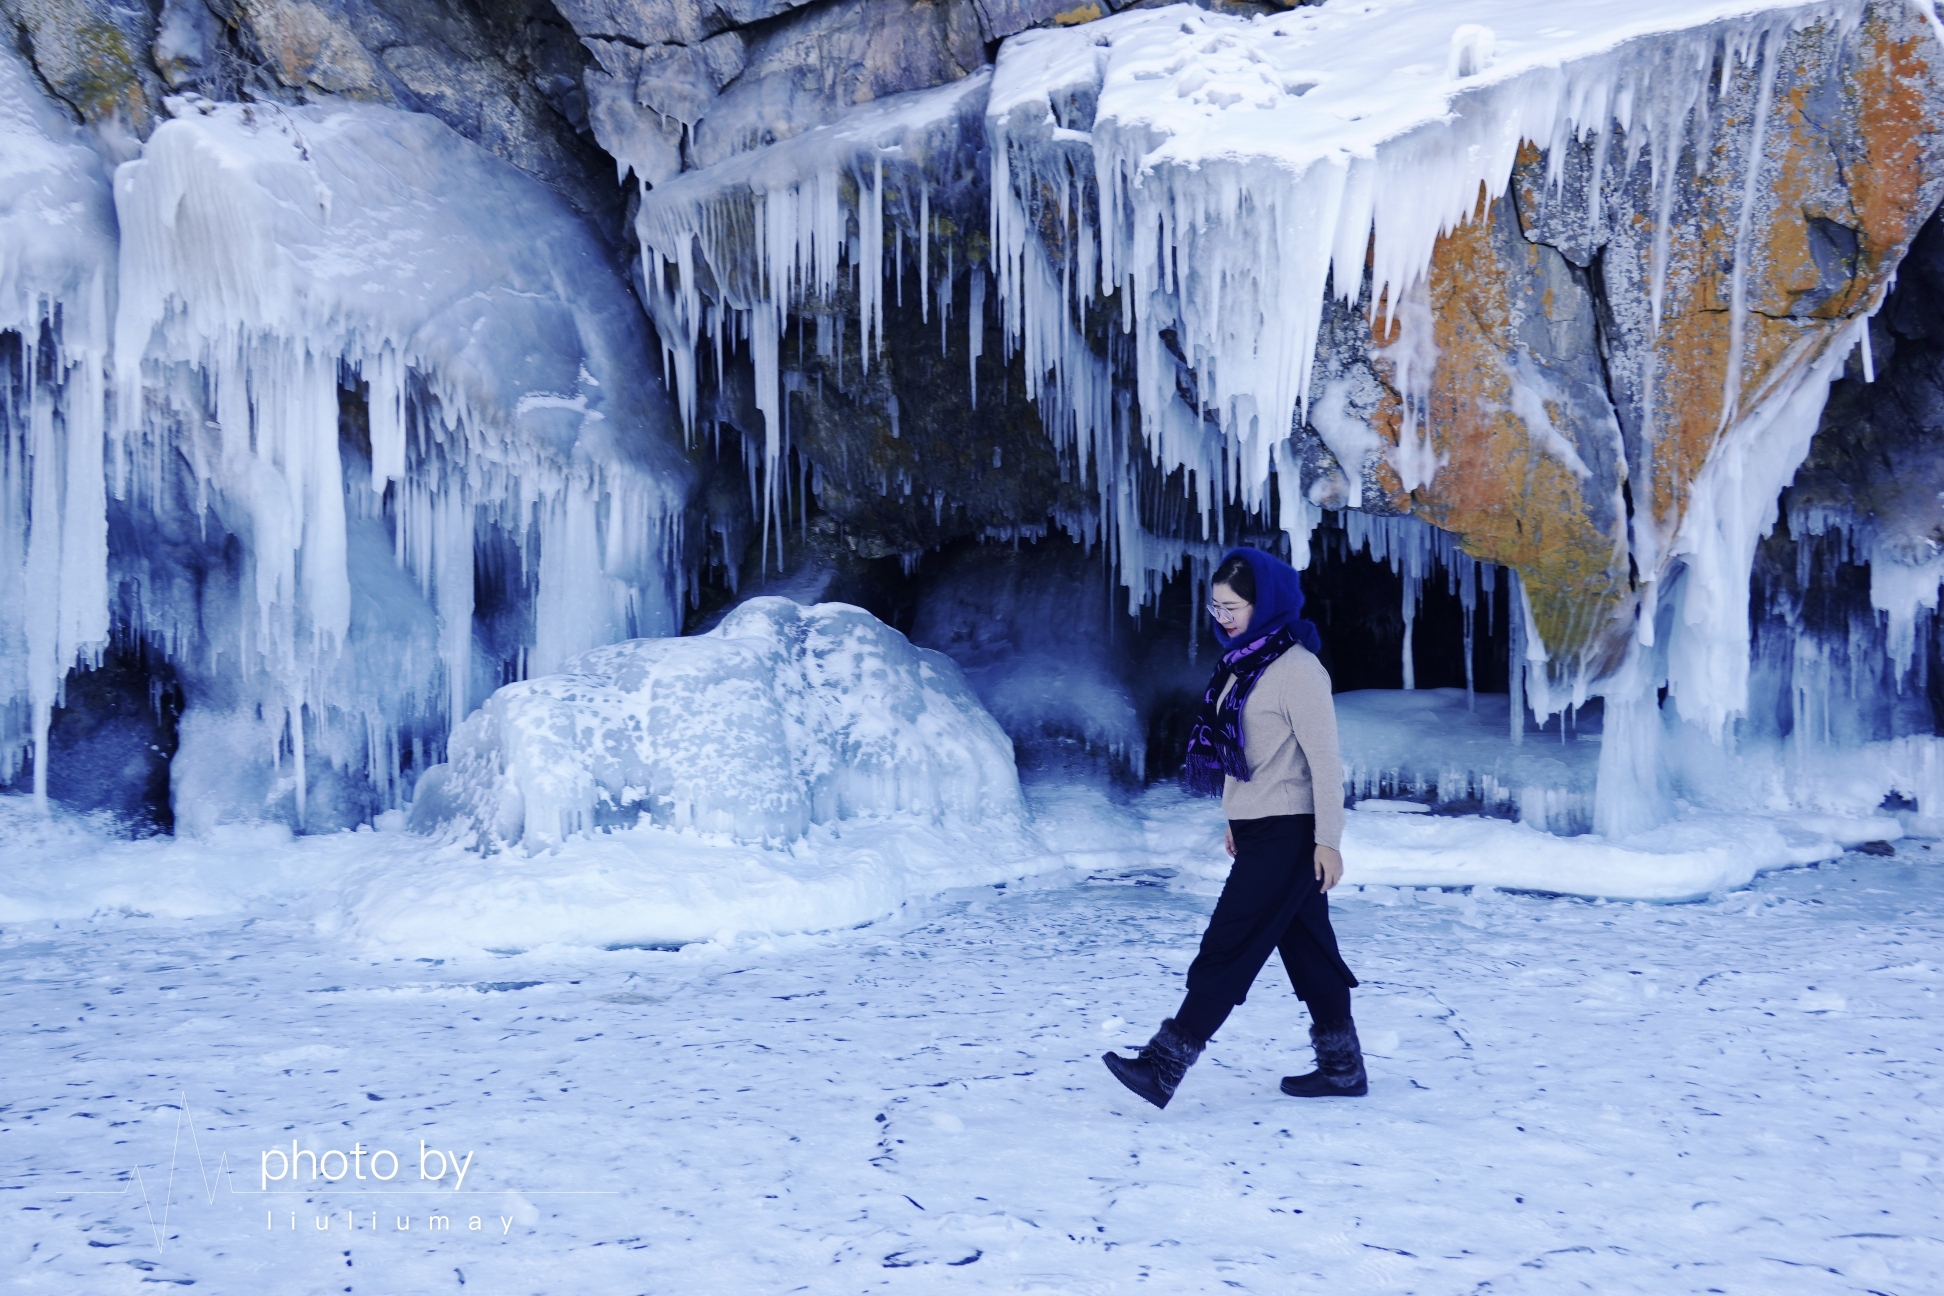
<point x="1266" y="739"/>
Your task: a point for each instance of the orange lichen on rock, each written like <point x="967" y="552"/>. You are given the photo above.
<point x="1848" y="163"/>
<point x="1838" y="203"/>
<point x="1511" y="492"/>
<point x="1083" y="13"/>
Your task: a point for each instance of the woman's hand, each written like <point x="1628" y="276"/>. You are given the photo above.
<point x="1329" y="866"/>
<point x="1228" y="841"/>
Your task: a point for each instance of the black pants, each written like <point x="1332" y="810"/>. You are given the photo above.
<point x="1270" y="901"/>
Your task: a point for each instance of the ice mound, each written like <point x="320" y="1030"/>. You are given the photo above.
<point x="781" y="717"/>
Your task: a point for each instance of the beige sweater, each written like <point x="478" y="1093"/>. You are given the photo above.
<point x="1289" y="734"/>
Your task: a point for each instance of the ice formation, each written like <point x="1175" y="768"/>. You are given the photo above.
<point x="1215" y="186"/>
<point x="180" y="355"/>
<point x="770" y="232"/>
<point x="331" y="372"/>
<point x="779" y="718"/>
<point x="1436" y="747"/>
<point x="1245" y="171"/>
<point x="57" y="251"/>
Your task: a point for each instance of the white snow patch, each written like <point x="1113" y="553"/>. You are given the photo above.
<point x="1681" y="860"/>
<point x="406" y="895"/>
<point x="1378" y="806"/>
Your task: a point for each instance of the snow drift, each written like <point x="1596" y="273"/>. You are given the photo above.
<point x="779" y="718"/>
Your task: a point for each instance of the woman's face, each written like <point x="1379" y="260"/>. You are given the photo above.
<point x="1229" y="609"/>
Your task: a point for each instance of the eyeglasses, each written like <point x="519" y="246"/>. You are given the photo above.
<point x="1223" y="612"/>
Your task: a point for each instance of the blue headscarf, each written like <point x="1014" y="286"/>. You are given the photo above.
<point x="1216" y="747"/>
<point x="1278" y="602"/>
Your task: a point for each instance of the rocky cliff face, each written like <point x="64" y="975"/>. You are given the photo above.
<point x="507" y="76"/>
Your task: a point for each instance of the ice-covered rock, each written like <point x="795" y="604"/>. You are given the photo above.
<point x="683" y="85"/>
<point x="1241" y="185"/>
<point x="94" y="56"/>
<point x="781" y="717"/>
<point x="729" y="253"/>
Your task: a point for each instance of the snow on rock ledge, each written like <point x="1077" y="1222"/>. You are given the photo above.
<point x="781" y="717"/>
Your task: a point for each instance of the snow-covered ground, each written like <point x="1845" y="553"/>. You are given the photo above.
<point x="394" y="892"/>
<point x="1567" y="1095"/>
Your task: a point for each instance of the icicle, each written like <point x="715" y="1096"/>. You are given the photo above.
<point x="299" y="751"/>
<point x="1731" y="390"/>
<point x="765" y="343"/>
<point x="454" y="586"/>
<point x="1411" y="580"/>
<point x="945" y="300"/>
<point x="975" y="329"/>
<point x="1515" y="669"/>
<point x="870" y="266"/>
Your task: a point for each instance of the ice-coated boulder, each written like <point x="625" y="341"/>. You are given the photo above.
<point x="781" y="717"/>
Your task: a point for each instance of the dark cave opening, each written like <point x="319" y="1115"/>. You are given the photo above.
<point x="1357" y="603"/>
<point x="112" y="737"/>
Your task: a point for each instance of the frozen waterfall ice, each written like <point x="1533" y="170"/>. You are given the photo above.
<point x="370" y="358"/>
<point x="57" y="253"/>
<point x="275" y="260"/>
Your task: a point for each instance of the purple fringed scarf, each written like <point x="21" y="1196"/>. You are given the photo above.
<point x="1215" y="743"/>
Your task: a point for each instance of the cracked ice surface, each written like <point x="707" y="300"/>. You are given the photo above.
<point x="1724" y="1096"/>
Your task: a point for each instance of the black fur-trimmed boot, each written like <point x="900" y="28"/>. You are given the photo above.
<point x="1155" y="1073"/>
<point x="1339" y="1065"/>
